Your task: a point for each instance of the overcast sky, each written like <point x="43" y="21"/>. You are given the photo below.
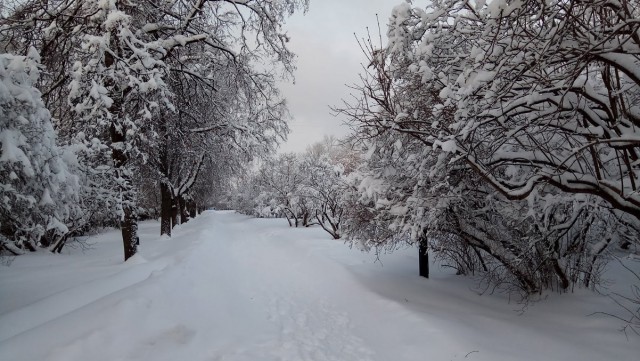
<point x="328" y="59"/>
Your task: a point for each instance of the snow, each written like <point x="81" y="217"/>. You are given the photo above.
<point x="11" y="141"/>
<point x="448" y="145"/>
<point x="228" y="287"/>
<point x="115" y="18"/>
<point x="498" y="8"/>
<point x="46" y="199"/>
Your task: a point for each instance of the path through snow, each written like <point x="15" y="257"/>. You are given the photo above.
<point x="231" y="288"/>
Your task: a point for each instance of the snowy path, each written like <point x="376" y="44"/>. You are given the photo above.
<point x="230" y="288"/>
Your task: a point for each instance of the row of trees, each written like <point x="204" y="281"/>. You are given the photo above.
<point x="501" y="137"/>
<point x="505" y="135"/>
<point x="118" y="109"/>
<point x="306" y="189"/>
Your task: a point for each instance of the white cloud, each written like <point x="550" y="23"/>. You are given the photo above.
<point x="328" y="60"/>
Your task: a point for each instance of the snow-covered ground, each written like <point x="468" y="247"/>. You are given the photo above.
<point x="228" y="287"/>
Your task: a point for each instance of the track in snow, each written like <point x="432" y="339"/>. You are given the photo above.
<point x="286" y="289"/>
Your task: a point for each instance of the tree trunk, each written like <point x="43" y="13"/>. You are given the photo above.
<point x="120" y="157"/>
<point x="174" y="213"/>
<point x="166" y="194"/>
<point x="130" y="238"/>
<point x="165" y="210"/>
<point x="129" y="219"/>
<point x="46" y="239"/>
<point x="293" y="217"/>
<point x="322" y="219"/>
<point x="423" y="258"/>
<point x="59" y="244"/>
<point x="184" y="214"/>
<point x="193" y="209"/>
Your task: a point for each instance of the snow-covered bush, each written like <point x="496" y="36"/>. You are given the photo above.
<point x="37" y="191"/>
<point x="504" y="133"/>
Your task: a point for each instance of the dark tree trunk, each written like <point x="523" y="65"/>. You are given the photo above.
<point x="334" y="229"/>
<point x="184" y="214"/>
<point x="166" y="194"/>
<point x="165" y="210"/>
<point x="46" y="239"/>
<point x="193" y="209"/>
<point x="174" y="213"/>
<point x="562" y="277"/>
<point x="293" y="218"/>
<point x="59" y="244"/>
<point x="26" y="244"/>
<point x="129" y="220"/>
<point x="423" y="258"/>
<point x="120" y="157"/>
<point x="130" y="238"/>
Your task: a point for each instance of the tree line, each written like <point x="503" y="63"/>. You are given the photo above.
<point x="116" y="110"/>
<point x="501" y="137"/>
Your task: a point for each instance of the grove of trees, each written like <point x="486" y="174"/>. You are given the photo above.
<point x="504" y="134"/>
<point x="114" y="110"/>
<point x="499" y="136"/>
<point x="306" y="189"/>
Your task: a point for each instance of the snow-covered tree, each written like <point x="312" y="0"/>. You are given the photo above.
<point x="305" y="188"/>
<point x="502" y="133"/>
<point x="280" y="181"/>
<point x="115" y="71"/>
<point x="323" y="166"/>
<point x="37" y="190"/>
<point x="228" y="118"/>
<point x="543" y="93"/>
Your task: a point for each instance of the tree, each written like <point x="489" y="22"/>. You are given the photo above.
<point x="479" y="125"/>
<point x="538" y="99"/>
<point x="36" y="186"/>
<point x="115" y="65"/>
<point x="305" y="188"/>
<point x="230" y="117"/>
<point x="280" y="181"/>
